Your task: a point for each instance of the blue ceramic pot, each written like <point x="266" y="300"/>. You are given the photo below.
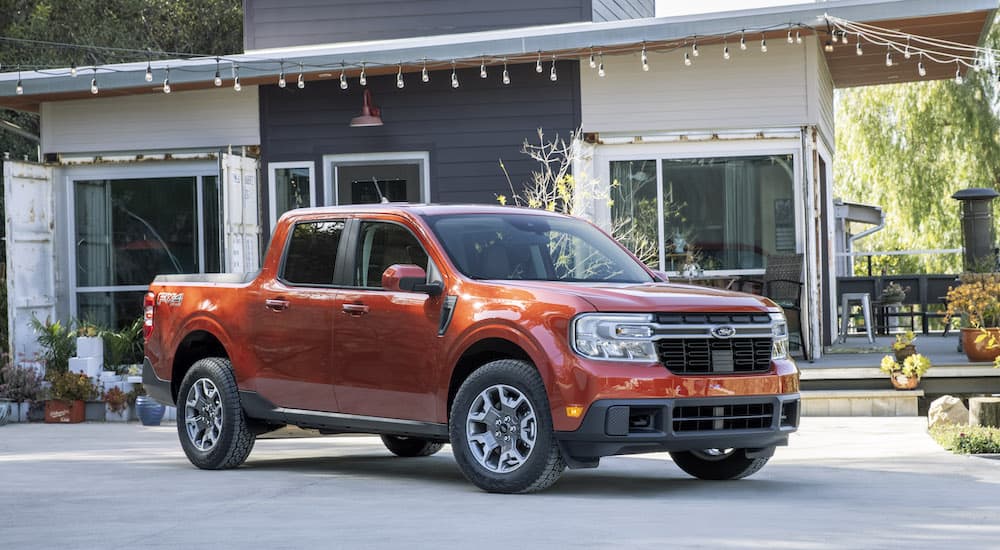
<point x="149" y="410"/>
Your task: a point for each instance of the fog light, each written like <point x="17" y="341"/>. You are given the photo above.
<point x="574" y="412"/>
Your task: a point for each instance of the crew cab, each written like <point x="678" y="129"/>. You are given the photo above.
<point x="530" y="341"/>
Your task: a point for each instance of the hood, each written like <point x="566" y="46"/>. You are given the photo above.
<point x="653" y="297"/>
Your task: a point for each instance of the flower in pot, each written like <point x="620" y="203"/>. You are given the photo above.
<point x="20" y="385"/>
<point x="117" y="403"/>
<point x="903" y="346"/>
<point x="68" y="393"/>
<point x="977" y="301"/>
<point x="905" y="374"/>
<point x="893" y="293"/>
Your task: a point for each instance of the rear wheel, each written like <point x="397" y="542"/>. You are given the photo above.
<point x="718" y="464"/>
<point x="213" y="431"/>
<point x="501" y="429"/>
<point x="410" y="446"/>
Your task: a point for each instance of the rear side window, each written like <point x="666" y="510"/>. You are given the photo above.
<point x="382" y="245"/>
<point x="312" y="253"/>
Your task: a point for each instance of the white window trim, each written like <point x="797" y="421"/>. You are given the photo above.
<point x="197" y="170"/>
<point x="330" y="163"/>
<point x="604" y="155"/>
<point x="272" y="194"/>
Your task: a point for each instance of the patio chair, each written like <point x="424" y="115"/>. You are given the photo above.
<point x="782" y="283"/>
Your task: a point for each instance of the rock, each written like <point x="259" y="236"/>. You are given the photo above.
<point x="947" y="410"/>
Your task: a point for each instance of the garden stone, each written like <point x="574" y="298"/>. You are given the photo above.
<point x="984" y="411"/>
<point x="947" y="410"/>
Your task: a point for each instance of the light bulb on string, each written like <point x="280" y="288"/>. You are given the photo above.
<point x="454" y="76"/>
<point x="218" y="77"/>
<point x="857" y="47"/>
<point x="906" y="51"/>
<point x="166" y="81"/>
<point x="600" y="66"/>
<point x="482" y="68"/>
<point x="538" y="63"/>
<point x="958" y="73"/>
<point x="888" y="57"/>
<point x="687" y="59"/>
<point x="763" y="43"/>
<point x="506" y="75"/>
<point x="921" y="69"/>
<point x="725" y="52"/>
<point x="424" y="76"/>
<point x="644" y="58"/>
<point x="149" y="72"/>
<point x="301" y="82"/>
<point x="399" y="77"/>
<point x="19" y="89"/>
<point x="72" y="69"/>
<point x="843" y="36"/>
<point x="798" y="37"/>
<point x="694" y="50"/>
<point x="789" y="38"/>
<point x="552" y="72"/>
<point x="828" y="47"/>
<point x="236" y="78"/>
<point x="281" y="77"/>
<point x="93" y="83"/>
<point x="593" y="60"/>
<point x="343" y="77"/>
<point x="363" y="79"/>
<point x="743" y="41"/>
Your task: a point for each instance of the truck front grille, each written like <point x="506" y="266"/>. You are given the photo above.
<point x="715" y="356"/>
<point x="703" y="418"/>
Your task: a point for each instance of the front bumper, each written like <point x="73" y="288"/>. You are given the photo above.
<point x="628" y="426"/>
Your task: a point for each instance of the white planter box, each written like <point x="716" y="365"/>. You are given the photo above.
<point x="90" y="346"/>
<point x="121" y="416"/>
<point x="91" y="366"/>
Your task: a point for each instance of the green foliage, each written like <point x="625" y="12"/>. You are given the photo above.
<point x="58" y="342"/>
<point x="966" y="439"/>
<point x="72" y="386"/>
<point x="123" y="347"/>
<point x="116" y="399"/>
<point x="19" y="383"/>
<point x="908" y="148"/>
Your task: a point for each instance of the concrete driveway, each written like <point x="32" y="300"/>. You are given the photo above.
<point x="843" y="482"/>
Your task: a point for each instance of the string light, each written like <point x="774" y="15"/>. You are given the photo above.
<point x="600" y="65"/>
<point x="906" y="52"/>
<point x="538" y="63"/>
<point x="790" y="39"/>
<point x="482" y="68"/>
<point x="149" y="72"/>
<point x="166" y="81"/>
<point x="399" y="77"/>
<point x="725" y="52"/>
<point x="644" y="58"/>
<point x="763" y="44"/>
<point x="454" y="75"/>
<point x="798" y="37"/>
<point x="72" y="69"/>
<point x="19" y="89"/>
<point x="921" y="70"/>
<point x="301" y="83"/>
<point x="343" y="77"/>
<point x="694" y="50"/>
<point x="552" y="72"/>
<point x="593" y="61"/>
<point x="888" y="56"/>
<point x="218" y="77"/>
<point x="363" y="79"/>
<point x="857" y="48"/>
<point x="93" y="83"/>
<point x="424" y="76"/>
<point x="828" y="47"/>
<point x="281" y="77"/>
<point x="506" y="75"/>
<point x="743" y="41"/>
<point x="687" y="59"/>
<point x="958" y="73"/>
<point x="236" y="78"/>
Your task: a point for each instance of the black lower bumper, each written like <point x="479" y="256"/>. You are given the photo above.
<point x="156" y="387"/>
<point x="615" y="427"/>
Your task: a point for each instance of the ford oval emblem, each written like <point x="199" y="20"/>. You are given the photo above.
<point x="723" y="331"/>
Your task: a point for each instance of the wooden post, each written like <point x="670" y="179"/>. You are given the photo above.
<point x="984" y="411"/>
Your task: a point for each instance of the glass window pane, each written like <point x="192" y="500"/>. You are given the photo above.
<point x="291" y="189"/>
<point x="211" y="199"/>
<point x="633" y="208"/>
<point x="732" y="212"/>
<point x="383" y="245"/>
<point x="115" y="310"/>
<point x="130" y="230"/>
<point x="312" y="253"/>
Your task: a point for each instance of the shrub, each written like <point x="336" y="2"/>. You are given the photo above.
<point x="965" y="439"/>
<point x="72" y="386"/>
<point x="19" y="383"/>
<point x="116" y="399"/>
<point x="123" y="347"/>
<point x="58" y="342"/>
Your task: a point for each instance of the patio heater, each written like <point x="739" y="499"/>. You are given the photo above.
<point x="977" y="227"/>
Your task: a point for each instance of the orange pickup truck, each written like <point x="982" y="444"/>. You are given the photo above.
<point x="529" y="341"/>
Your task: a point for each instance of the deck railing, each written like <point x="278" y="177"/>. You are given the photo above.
<point x="925" y="299"/>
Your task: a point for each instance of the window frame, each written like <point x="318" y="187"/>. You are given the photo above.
<point x="272" y="191"/>
<point x="338" y="260"/>
<point x="351" y="261"/>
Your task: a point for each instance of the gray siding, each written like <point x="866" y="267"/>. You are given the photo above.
<point x="283" y="23"/>
<point x="616" y="10"/>
<point x="466" y="131"/>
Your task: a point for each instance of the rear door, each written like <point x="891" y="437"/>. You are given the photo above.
<point x="293" y="318"/>
<point x="385" y="342"/>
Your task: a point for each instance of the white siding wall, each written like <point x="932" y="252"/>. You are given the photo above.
<point x="821" y="96"/>
<point x="181" y="120"/>
<point x="752" y="90"/>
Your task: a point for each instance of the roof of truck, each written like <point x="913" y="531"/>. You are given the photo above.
<point x="418" y="209"/>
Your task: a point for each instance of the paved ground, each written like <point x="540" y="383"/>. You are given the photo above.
<point x="843" y="482"/>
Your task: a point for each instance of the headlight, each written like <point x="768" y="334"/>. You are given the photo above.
<point x="619" y="337"/>
<point x="779" y="336"/>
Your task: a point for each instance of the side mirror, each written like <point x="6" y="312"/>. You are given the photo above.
<point x="409" y="278"/>
<point x="661" y="275"/>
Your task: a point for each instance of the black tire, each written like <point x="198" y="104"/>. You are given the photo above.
<point x="715" y="464"/>
<point x="543" y="463"/>
<point x="234" y="439"/>
<point x="410" y="446"/>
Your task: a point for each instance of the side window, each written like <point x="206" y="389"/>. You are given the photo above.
<point x="312" y="253"/>
<point x="382" y="245"/>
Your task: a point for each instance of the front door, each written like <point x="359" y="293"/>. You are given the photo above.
<point x="384" y="341"/>
<point x="293" y="320"/>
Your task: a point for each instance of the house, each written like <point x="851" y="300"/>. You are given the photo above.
<point x="726" y="116"/>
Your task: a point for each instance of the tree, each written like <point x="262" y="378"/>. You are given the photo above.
<point x="907" y="148"/>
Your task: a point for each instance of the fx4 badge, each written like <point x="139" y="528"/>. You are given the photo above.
<point x="172" y="299"/>
<point x="724" y="331"/>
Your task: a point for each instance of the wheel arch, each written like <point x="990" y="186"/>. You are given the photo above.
<point x="487" y="348"/>
<point x="198" y="343"/>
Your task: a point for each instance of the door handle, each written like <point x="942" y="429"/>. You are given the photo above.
<point x="356" y="310"/>
<point x="276" y="305"/>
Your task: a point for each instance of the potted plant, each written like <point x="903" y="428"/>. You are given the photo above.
<point x="977" y="301"/>
<point x="149" y="410"/>
<point x="21" y="385"/>
<point x="69" y="392"/>
<point x="58" y="343"/>
<point x="117" y="403"/>
<point x="123" y="348"/>
<point x="893" y="293"/>
<point x="905" y="375"/>
<point x="903" y="346"/>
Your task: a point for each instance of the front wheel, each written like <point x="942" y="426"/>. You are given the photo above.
<point x="501" y="429"/>
<point x="213" y="431"/>
<point x="410" y="446"/>
<point x="718" y="464"/>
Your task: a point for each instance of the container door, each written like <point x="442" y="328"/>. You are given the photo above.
<point x="241" y="215"/>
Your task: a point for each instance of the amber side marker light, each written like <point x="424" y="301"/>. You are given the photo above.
<point x="574" y="412"/>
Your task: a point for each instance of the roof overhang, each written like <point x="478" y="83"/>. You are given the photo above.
<point x="958" y="20"/>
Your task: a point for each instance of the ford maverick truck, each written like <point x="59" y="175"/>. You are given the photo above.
<point x="529" y="341"/>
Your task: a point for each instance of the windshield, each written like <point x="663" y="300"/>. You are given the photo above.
<point x="532" y="247"/>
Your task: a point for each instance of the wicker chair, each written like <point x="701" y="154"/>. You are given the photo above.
<point x="782" y="283"/>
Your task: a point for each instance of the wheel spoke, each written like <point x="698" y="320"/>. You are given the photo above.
<point x="504" y="410"/>
<point x="204" y="415"/>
